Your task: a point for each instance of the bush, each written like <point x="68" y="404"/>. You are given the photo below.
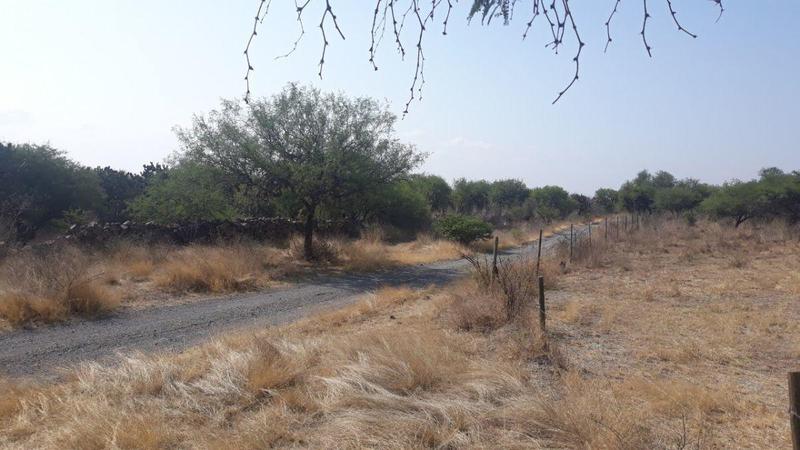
<point x="463" y="229"/>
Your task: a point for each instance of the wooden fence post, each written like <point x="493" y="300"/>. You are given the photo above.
<point x="542" y="313"/>
<point x="494" y="258"/>
<point x="794" y="408"/>
<point x="539" y="252"/>
<point x="606" y="228"/>
<point x="626" y="223"/>
<point x="571" y="241"/>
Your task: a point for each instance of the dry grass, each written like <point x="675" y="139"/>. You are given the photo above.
<point x="629" y="362"/>
<point x="706" y="314"/>
<point x="136" y="276"/>
<point x="659" y="342"/>
<point x="210" y="269"/>
<point x="52" y="285"/>
<point x="50" y="288"/>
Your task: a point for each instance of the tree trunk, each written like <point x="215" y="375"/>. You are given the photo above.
<point x="308" y="233"/>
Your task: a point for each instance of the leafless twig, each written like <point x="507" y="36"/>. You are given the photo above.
<point x="557" y="13"/>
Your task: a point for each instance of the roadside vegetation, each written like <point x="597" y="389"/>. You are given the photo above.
<point x="308" y="158"/>
<point x="672" y="336"/>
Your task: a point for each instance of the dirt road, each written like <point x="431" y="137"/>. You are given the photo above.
<point x="41" y="352"/>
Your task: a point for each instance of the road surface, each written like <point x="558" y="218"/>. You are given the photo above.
<point x="40" y="352"/>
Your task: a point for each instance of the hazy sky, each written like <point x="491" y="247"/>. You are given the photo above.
<point x="107" y="81"/>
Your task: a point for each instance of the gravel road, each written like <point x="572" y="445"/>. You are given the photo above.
<point x="42" y="352"/>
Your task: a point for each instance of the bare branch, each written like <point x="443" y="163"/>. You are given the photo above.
<point x="577" y="57"/>
<point x="299" y="10"/>
<point x="558" y="14"/>
<point x="644" y="29"/>
<point x="608" y="24"/>
<point x="372" y="46"/>
<point x="264" y="5"/>
<point x="675" y="19"/>
<point x="328" y="11"/>
<point x="721" y="8"/>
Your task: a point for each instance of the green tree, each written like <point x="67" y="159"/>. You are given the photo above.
<point x="583" y="203"/>
<point x="552" y="202"/>
<point x="320" y="149"/>
<point x="402" y="206"/>
<point x="781" y="193"/>
<point x="683" y="196"/>
<point x="470" y="197"/>
<point x="605" y="200"/>
<point x="38" y="184"/>
<point x="120" y="188"/>
<point x="435" y="189"/>
<point x="505" y="194"/>
<point x="638" y="195"/>
<point x="663" y="180"/>
<point x="738" y="200"/>
<point x="187" y="193"/>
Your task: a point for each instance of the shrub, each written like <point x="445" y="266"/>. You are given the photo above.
<point x="514" y="281"/>
<point x="463" y="229"/>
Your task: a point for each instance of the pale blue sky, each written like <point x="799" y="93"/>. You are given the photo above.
<point x="107" y="80"/>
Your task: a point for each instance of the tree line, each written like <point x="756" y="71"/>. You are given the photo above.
<point x="310" y="156"/>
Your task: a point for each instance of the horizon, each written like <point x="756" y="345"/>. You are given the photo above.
<point x="672" y="112"/>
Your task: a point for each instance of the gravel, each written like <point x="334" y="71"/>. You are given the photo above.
<point x="46" y="352"/>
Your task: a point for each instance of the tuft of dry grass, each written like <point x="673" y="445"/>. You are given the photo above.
<point x="22" y="308"/>
<point x="51" y="287"/>
<point x="269" y="369"/>
<point x="471" y="310"/>
<point x="211" y="269"/>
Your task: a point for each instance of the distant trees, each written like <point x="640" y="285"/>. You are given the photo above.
<point x="737" y="200"/>
<point x="506" y="194"/>
<point x="437" y="192"/>
<point x="38" y="184"/>
<point x="310" y="156"/>
<point x="189" y="192"/>
<point x="552" y="202"/>
<point x="774" y="194"/>
<point x="470" y="197"/>
<point x="648" y="193"/>
<point x="583" y="204"/>
<point x="120" y="188"/>
<point x="605" y="200"/>
<point x="682" y="196"/>
<point x="316" y="149"/>
<point x="637" y="195"/>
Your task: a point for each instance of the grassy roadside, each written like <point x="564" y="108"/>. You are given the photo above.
<point x="64" y="282"/>
<point x="674" y="337"/>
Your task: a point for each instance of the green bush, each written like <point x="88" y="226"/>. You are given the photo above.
<point x="464" y="229"/>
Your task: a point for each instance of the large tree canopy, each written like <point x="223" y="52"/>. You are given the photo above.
<point x="315" y="149"/>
